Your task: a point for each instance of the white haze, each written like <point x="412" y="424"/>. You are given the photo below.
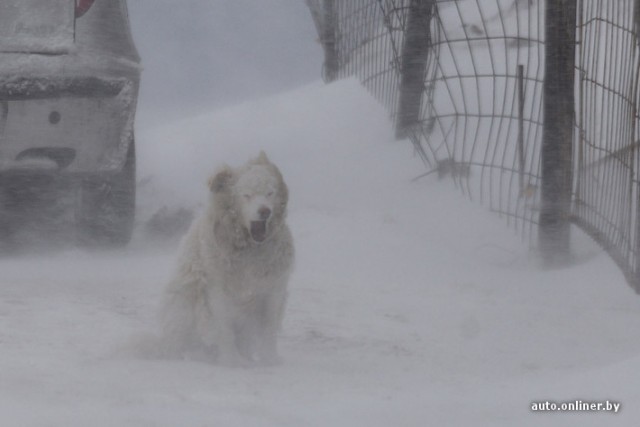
<point x="210" y="53"/>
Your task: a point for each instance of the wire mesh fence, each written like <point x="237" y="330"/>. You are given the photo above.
<point x="464" y="80"/>
<point x="606" y="190"/>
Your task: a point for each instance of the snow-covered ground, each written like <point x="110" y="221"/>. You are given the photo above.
<point x="409" y="305"/>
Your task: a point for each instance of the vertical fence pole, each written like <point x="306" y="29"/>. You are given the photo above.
<point x="329" y="42"/>
<point x="521" y="126"/>
<point x="557" y="136"/>
<point x="415" y="53"/>
<point x="636" y="17"/>
<point x="635" y="273"/>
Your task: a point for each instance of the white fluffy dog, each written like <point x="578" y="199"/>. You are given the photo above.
<point x="228" y="295"/>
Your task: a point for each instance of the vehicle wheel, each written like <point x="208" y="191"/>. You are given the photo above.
<point x="106" y="208"/>
<point x="7" y="220"/>
<point x="32" y="209"/>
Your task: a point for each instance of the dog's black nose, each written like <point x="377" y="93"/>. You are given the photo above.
<point x="264" y="213"/>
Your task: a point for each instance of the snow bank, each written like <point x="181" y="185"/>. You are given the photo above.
<point x="409" y="305"/>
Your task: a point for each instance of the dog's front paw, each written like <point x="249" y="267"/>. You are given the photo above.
<point x="270" y="359"/>
<point x="234" y="361"/>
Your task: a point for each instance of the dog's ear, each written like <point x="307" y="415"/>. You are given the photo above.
<point x="221" y="179"/>
<point x="262" y="158"/>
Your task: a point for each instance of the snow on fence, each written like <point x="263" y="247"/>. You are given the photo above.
<point x="529" y="105"/>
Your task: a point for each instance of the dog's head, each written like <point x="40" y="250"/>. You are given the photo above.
<point x="255" y="197"/>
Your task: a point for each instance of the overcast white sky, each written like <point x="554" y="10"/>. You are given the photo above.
<point x="204" y="54"/>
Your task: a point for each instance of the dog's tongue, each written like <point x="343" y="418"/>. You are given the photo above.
<point x="258" y="230"/>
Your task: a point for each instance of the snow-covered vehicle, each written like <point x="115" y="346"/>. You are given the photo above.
<point x="69" y="78"/>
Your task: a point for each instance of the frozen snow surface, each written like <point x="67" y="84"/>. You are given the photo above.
<point x="409" y="305"/>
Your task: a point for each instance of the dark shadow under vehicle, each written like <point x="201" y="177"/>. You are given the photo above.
<point x="69" y="79"/>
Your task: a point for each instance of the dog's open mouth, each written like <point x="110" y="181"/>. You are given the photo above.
<point x="258" y="230"/>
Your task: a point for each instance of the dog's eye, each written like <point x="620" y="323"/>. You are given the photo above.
<point x="270" y="194"/>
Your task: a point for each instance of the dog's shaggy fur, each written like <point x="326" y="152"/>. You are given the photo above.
<point x="228" y="295"/>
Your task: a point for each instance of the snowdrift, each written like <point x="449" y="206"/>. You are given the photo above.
<point x="409" y="305"/>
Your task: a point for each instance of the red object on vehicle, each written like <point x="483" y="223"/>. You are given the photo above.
<point x="82" y="6"/>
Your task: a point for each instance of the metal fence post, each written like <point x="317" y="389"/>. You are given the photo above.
<point x="324" y="17"/>
<point x="635" y="274"/>
<point x="636" y="17"/>
<point x="415" y="53"/>
<point x="520" y="79"/>
<point x="331" y="64"/>
<point x="557" y="136"/>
